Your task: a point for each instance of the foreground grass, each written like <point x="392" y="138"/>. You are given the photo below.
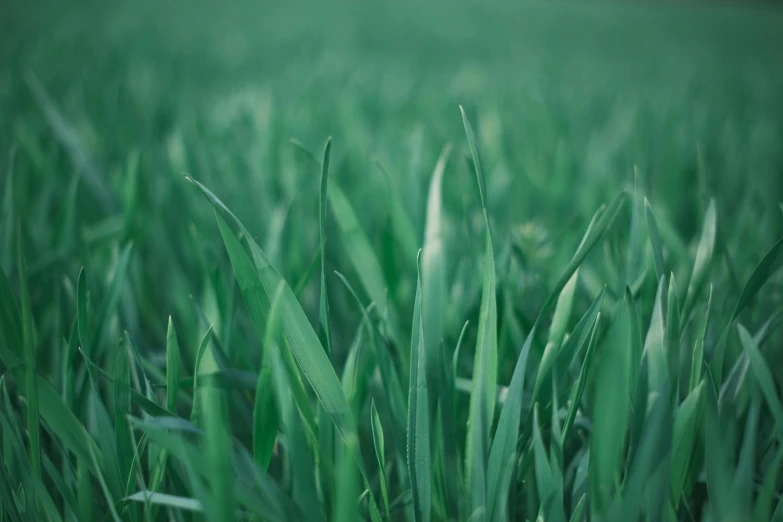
<point x="418" y="321"/>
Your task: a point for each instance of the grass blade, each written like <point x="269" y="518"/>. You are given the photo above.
<point x="485" y="363"/>
<point x="611" y="416"/>
<point x="655" y="240"/>
<point x="30" y="359"/>
<point x="378" y="443"/>
<point x="419" y="465"/>
<point x="703" y="257"/>
<point x="763" y="376"/>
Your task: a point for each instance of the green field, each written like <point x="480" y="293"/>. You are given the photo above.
<point x="501" y="261"/>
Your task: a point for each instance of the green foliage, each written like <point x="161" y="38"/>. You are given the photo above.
<point x="537" y="361"/>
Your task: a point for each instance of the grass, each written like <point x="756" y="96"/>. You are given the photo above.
<point x="382" y="262"/>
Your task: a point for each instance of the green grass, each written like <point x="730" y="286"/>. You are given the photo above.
<point x="363" y="261"/>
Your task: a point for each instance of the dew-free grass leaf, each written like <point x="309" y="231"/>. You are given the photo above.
<point x="433" y="272"/>
<point x="655" y="240"/>
<point x="378" y="443"/>
<point x="364" y="260"/>
<point x="30" y="360"/>
<point x="764" y="378"/>
<point x="687" y="422"/>
<point x="173" y="367"/>
<point x="611" y="414"/>
<point x="485" y="363"/>
<point x="419" y="464"/>
<point x="703" y="257"/>
<point x="577" y="391"/>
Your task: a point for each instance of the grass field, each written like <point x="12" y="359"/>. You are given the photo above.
<point x="388" y="261"/>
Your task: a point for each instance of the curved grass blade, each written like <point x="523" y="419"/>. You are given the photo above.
<point x="579" y="388"/>
<point x="763" y="376"/>
<point x="364" y="260"/>
<point x="703" y="257"/>
<point x="769" y="264"/>
<point x="433" y="273"/>
<point x="687" y="422"/>
<point x="195" y="413"/>
<point x="419" y="465"/>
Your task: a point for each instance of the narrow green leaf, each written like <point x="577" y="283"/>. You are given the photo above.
<point x="364" y="260"/>
<point x="703" y="257"/>
<point x="766" y="494"/>
<point x="698" y="348"/>
<point x="30" y="360"/>
<point x="485" y="363"/>
<point x="761" y="370"/>
<point x="164" y="499"/>
<point x="433" y="272"/>
<point x="611" y="415"/>
<point x="655" y="240"/>
<point x="419" y="465"/>
<point x="378" y="443"/>
<point x="173" y="367"/>
<point x="195" y="413"/>
<point x="576" y="395"/>
<point x="122" y="410"/>
<point x="687" y="423"/>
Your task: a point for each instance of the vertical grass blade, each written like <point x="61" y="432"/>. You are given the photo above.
<point x="419" y="463"/>
<point x="482" y="398"/>
<point x="378" y="443"/>
<point x="655" y="240"/>
<point x="611" y="414"/>
<point x="764" y="378"/>
<point x="30" y="360"/>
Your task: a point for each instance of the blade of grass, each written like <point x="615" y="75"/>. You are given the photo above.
<point x="703" y="257"/>
<point x="610" y="418"/>
<point x="764" y="378"/>
<point x="30" y="359"/>
<point x="482" y="398"/>
<point x="655" y="240"/>
<point x="419" y="465"/>
<point x="433" y="273"/>
<point x="378" y="443"/>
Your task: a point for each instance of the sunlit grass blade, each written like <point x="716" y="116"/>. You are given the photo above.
<point x="419" y="463"/>
<point x="433" y="272"/>
<point x="703" y="257"/>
